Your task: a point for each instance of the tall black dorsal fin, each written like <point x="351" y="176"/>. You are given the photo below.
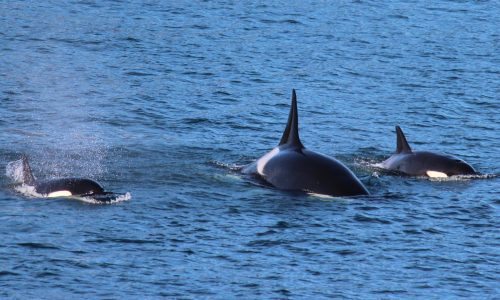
<point x="27" y="175"/>
<point x="291" y="133"/>
<point x="402" y="144"/>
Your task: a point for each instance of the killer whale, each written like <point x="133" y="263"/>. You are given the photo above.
<point x="62" y="187"/>
<point x="423" y="163"/>
<point x="290" y="166"/>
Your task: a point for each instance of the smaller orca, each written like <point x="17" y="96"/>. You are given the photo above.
<point x="424" y="163"/>
<point x="62" y="187"/>
<point x="290" y="166"/>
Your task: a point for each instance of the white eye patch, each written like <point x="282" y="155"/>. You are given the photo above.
<point x="436" y="174"/>
<point x="59" y="194"/>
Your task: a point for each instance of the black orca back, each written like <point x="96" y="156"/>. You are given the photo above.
<point x="290" y="166"/>
<point x="312" y="172"/>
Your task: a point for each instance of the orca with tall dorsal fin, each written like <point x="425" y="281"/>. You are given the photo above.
<point x="424" y="163"/>
<point x="290" y="166"/>
<point x="62" y="187"/>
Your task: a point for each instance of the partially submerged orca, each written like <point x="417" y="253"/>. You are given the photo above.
<point x="424" y="163"/>
<point x="63" y="187"/>
<point x="290" y="166"/>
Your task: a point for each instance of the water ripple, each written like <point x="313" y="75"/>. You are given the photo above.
<point x="168" y="100"/>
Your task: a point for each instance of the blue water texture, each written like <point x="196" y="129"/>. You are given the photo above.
<point x="164" y="99"/>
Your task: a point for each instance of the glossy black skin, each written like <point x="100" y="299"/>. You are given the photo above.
<point x="299" y="169"/>
<point x="295" y="168"/>
<point x="77" y="186"/>
<point x="417" y="163"/>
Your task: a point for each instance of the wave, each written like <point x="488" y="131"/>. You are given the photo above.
<point x="461" y="177"/>
<point x="111" y="198"/>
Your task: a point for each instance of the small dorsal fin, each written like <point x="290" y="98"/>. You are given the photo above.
<point x="27" y="175"/>
<point x="291" y="133"/>
<point x="402" y="144"/>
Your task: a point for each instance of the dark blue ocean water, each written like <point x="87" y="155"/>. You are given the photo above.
<point x="162" y="98"/>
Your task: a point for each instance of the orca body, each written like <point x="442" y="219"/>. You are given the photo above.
<point x="68" y="187"/>
<point x="63" y="187"/>
<point x="424" y="163"/>
<point x="290" y="166"/>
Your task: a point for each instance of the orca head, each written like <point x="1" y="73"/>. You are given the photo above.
<point x="79" y="186"/>
<point x="464" y="168"/>
<point x="455" y="166"/>
<point x="64" y="187"/>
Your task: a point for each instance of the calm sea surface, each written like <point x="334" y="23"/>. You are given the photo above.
<point x="162" y="99"/>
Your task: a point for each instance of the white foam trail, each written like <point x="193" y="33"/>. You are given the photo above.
<point x="228" y="178"/>
<point x="232" y="167"/>
<point x="119" y="198"/>
<point x="462" y="177"/>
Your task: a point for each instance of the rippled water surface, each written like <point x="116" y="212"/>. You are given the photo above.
<point x="162" y="99"/>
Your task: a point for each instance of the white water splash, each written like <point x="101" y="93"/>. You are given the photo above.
<point x="227" y="178"/>
<point x="461" y="177"/>
<point x="28" y="191"/>
<point x="15" y="171"/>
<point x="117" y="199"/>
<point x="232" y="167"/>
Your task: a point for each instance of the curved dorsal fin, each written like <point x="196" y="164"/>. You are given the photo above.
<point x="402" y="144"/>
<point x="291" y="133"/>
<point x="27" y="175"/>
